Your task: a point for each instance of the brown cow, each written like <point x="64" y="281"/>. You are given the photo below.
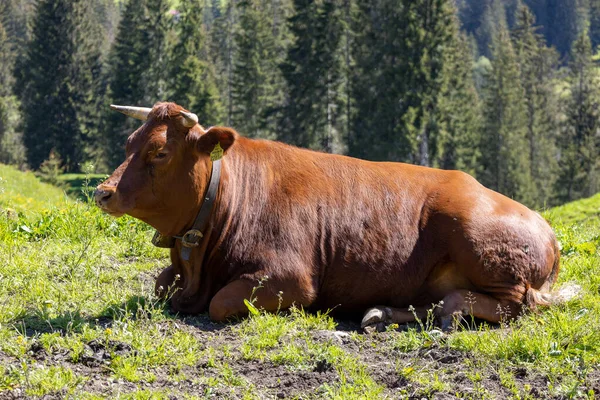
<point x="329" y="231"/>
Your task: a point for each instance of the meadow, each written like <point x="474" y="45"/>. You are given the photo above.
<point x="78" y="319"/>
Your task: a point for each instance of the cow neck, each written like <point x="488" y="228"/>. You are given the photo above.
<point x="192" y="237"/>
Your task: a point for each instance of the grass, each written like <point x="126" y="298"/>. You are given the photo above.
<point x="78" y="319"/>
<point x="578" y="212"/>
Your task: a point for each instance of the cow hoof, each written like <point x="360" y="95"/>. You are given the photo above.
<point x="377" y="327"/>
<point x="376" y="315"/>
<point x="372" y="316"/>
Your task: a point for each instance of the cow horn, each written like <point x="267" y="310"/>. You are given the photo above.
<point x="189" y="119"/>
<point x="135" y="112"/>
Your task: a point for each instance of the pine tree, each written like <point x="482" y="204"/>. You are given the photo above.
<point x="191" y="80"/>
<point x="6" y="63"/>
<point x="16" y="16"/>
<point x="313" y="113"/>
<point x="505" y="167"/>
<point x="157" y="29"/>
<point x="580" y="142"/>
<point x="470" y="13"/>
<point x="429" y="40"/>
<point x="378" y="80"/>
<point x="137" y="70"/>
<point x="492" y="20"/>
<point x="11" y="147"/>
<point x="459" y="111"/>
<point x="257" y="81"/>
<point x="595" y="22"/>
<point x="537" y="70"/>
<point x="107" y="14"/>
<point x="57" y="82"/>
<point x="222" y="52"/>
<point x="558" y="20"/>
<point x="399" y="51"/>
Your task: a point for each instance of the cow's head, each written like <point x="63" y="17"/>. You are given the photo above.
<point x="166" y="169"/>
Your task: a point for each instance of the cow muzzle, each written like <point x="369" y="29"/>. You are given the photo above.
<point x="104" y="196"/>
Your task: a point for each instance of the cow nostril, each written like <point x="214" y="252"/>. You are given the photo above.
<point x="102" y="196"/>
<point x="106" y="196"/>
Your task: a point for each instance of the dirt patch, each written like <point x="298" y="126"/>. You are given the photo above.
<point x="276" y="381"/>
<point x="435" y="371"/>
<point x="100" y="352"/>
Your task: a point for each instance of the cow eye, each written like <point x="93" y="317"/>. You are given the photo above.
<point x="160" y="155"/>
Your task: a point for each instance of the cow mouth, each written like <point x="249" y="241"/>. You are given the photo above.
<point x="115" y="214"/>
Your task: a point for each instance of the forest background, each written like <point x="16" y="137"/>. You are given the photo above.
<point x="506" y="90"/>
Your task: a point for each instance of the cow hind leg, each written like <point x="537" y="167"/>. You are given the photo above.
<point x="462" y="303"/>
<point x="455" y="306"/>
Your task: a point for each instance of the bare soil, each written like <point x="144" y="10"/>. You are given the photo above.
<point x="384" y="363"/>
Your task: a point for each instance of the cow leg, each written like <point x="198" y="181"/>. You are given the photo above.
<point x="461" y="303"/>
<point x="455" y="306"/>
<point x="389" y="315"/>
<point x="229" y="301"/>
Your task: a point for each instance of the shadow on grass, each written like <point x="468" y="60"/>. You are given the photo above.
<point x="134" y="308"/>
<point x="137" y="308"/>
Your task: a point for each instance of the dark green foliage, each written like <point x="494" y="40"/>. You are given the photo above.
<point x="191" y="81"/>
<point x="313" y="113"/>
<point x="376" y="131"/>
<point x="457" y="144"/>
<point x="157" y="30"/>
<point x="11" y="146"/>
<point x="6" y="63"/>
<point x="257" y="81"/>
<point x="12" y="150"/>
<point x="493" y="19"/>
<point x="505" y="166"/>
<point x="138" y="68"/>
<point x="51" y="169"/>
<point x="221" y="53"/>
<point x="399" y="51"/>
<point x="386" y="80"/>
<point x="594" y="14"/>
<point x="16" y="16"/>
<point x="559" y="21"/>
<point x="57" y="82"/>
<point x="579" y="142"/>
<point x="470" y="13"/>
<point x="537" y="67"/>
<point x="106" y="12"/>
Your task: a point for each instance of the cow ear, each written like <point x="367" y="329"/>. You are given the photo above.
<point x="223" y="136"/>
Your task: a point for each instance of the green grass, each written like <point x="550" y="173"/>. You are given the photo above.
<point x="73" y="279"/>
<point x="578" y="212"/>
<point x="22" y="191"/>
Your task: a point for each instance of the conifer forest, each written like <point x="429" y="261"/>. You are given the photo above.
<point x="506" y="90"/>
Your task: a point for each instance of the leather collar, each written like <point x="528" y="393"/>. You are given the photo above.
<point x="192" y="237"/>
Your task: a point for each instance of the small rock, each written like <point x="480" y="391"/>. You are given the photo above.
<point x="336" y="336"/>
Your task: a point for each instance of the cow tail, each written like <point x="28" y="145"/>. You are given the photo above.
<point x="545" y="296"/>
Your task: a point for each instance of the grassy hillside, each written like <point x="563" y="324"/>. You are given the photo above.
<point x="78" y="319"/>
<point x="577" y="212"/>
<point x="22" y="191"/>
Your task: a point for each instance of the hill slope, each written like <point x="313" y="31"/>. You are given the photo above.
<point x="23" y="191"/>
<point x="580" y="211"/>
